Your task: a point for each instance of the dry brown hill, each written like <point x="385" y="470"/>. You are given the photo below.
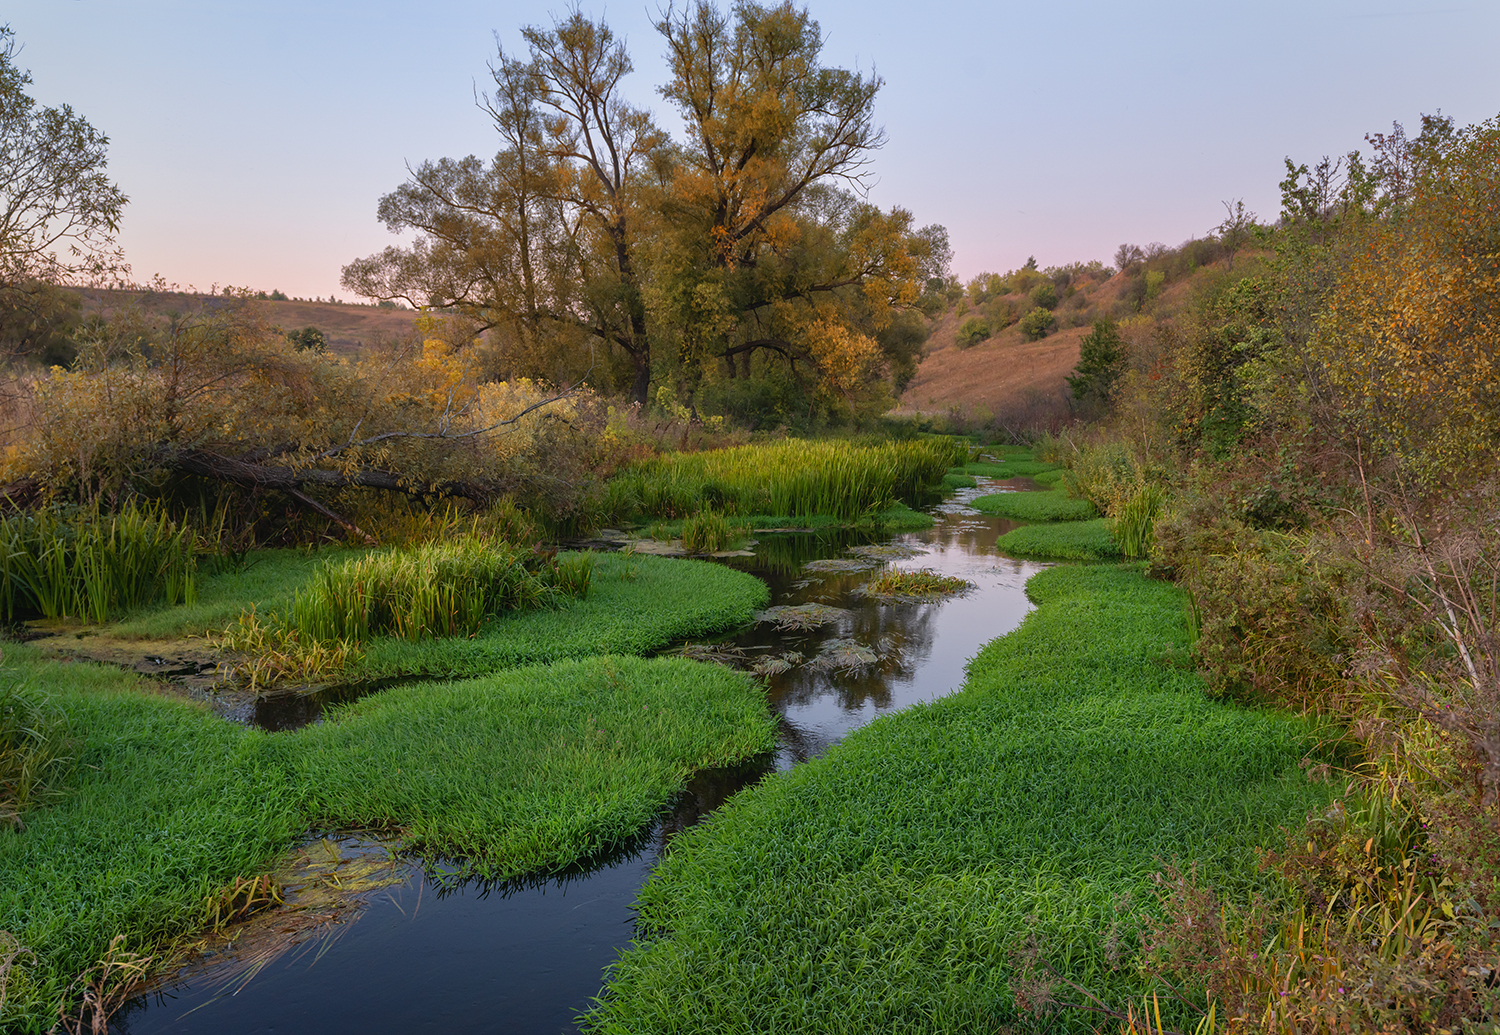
<point x="1004" y="374"/>
<point x="347" y="328"/>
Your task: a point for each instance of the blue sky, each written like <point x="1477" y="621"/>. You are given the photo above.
<point x="255" y="138"/>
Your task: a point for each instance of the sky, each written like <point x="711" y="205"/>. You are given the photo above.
<point x="254" y="139"/>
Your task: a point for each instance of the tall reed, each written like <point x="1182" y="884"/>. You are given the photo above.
<point x="436" y="589"/>
<point x="791" y="477"/>
<point x="92" y="565"/>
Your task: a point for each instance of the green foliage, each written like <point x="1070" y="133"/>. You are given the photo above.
<point x="1061" y="541"/>
<point x="1043" y="296"/>
<point x="708" y="531"/>
<point x="437" y="589"/>
<point x="789" y="477"/>
<point x="1036" y="323"/>
<point x="533" y="769"/>
<point x="663" y="600"/>
<point x="973" y="331"/>
<point x="1036" y="506"/>
<point x="893" y="881"/>
<point x="38" y="322"/>
<point x="308" y="339"/>
<point x="1134" y="521"/>
<point x="92" y="566"/>
<point x="923" y="583"/>
<point x="1101" y="360"/>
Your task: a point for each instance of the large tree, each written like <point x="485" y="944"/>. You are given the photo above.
<point x="58" y="209"/>
<point x="540" y="241"/>
<point x="743" y="247"/>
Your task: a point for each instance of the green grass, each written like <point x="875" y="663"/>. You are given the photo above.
<point x="524" y="770"/>
<point x="1061" y="541"/>
<point x="635" y="605"/>
<point x="797" y="477"/>
<point x="1035" y="506"/>
<point x="433" y="590"/>
<point x="1021" y="468"/>
<point x="92" y="565"/>
<point x="1049" y="477"/>
<point x="887" y="884"/>
<point x="957" y="479"/>
<point x="269" y="580"/>
<point x="531" y="769"/>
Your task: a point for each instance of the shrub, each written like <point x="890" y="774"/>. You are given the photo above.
<point x="973" y="331"/>
<point x="1037" y="323"/>
<point x="1044" y="296"/>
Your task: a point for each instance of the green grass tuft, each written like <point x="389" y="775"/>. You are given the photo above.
<point x="889" y="883"/>
<point x="635" y="605"/>
<point x="1061" y="541"/>
<point x="1035" y="506"/>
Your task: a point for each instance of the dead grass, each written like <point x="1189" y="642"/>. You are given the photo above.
<point x="348" y="328"/>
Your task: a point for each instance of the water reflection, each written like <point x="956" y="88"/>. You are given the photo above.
<point x="447" y="953"/>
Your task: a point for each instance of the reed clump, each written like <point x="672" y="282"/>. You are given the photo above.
<point x="790" y="477"/>
<point x="432" y="590"/>
<point x="92" y="565"/>
<point x="709" y="532"/>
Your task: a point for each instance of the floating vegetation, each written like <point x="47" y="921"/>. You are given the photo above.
<point x="923" y="584"/>
<point x="848" y="655"/>
<point x="839" y="564"/>
<point x="717" y="653"/>
<point x="801" y="616"/>
<point x="776" y="664"/>
<point x="886" y="551"/>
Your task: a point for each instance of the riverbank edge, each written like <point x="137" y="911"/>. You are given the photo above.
<point x="896" y="882"/>
<point x="168" y="806"/>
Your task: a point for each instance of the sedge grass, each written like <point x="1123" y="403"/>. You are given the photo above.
<point x="433" y="589"/>
<point x="529" y="770"/>
<point x="662" y="600"/>
<point x="1061" y="541"/>
<point x="92" y="565"/>
<point x="835" y="478"/>
<point x="1035" y="506"/>
<point x="894" y="882"/>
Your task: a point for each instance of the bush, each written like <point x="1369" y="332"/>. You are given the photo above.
<point x="1037" y="323"/>
<point x="1044" y="296"/>
<point x="974" y="330"/>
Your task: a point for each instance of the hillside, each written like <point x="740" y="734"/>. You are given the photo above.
<point x="1001" y="375"/>
<point x="347" y="328"/>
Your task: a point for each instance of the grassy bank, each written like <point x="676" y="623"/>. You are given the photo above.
<point x="528" y="770"/>
<point x="635" y="605"/>
<point x="1062" y="541"/>
<point x="1035" y="506"/>
<point x="889" y="883"/>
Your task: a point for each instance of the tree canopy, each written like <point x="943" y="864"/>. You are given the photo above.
<point x="593" y="242"/>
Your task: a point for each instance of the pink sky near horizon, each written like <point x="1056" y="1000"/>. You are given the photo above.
<point x="255" y="139"/>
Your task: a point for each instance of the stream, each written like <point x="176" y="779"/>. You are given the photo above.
<point x="435" y="954"/>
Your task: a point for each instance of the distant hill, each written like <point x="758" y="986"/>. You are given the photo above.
<point x="347" y="328"/>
